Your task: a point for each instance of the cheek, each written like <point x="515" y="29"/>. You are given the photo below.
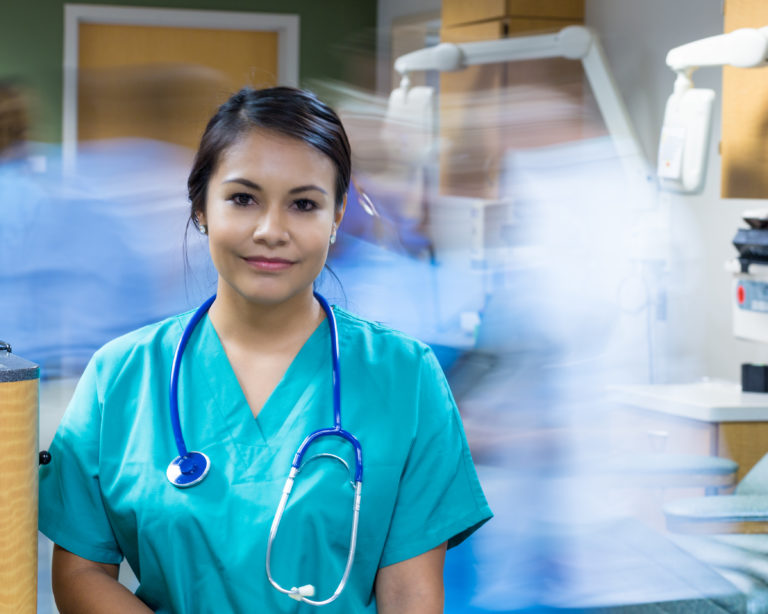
<point x="227" y="224"/>
<point x="224" y="239"/>
<point x="315" y="232"/>
<point x="320" y="236"/>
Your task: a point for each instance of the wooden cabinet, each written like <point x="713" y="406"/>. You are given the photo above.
<point x="744" y="442"/>
<point x="487" y="110"/>
<point x="639" y="431"/>
<point x="706" y="417"/>
<point x="744" y="145"/>
<point x="460" y="12"/>
<point x="642" y="436"/>
<point x="19" y="397"/>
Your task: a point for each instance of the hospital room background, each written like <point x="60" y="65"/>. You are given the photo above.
<point x="589" y="279"/>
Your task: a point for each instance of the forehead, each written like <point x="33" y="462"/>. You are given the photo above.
<point x="264" y="151"/>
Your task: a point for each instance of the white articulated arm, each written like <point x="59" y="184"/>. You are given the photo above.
<point x="572" y="42"/>
<point x="612" y="108"/>
<point x="743" y="48"/>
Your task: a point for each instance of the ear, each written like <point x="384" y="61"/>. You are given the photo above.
<point x="339" y="213"/>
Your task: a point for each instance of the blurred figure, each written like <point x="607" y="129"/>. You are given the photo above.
<point x="517" y="244"/>
<point x="90" y="254"/>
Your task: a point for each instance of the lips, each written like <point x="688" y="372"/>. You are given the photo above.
<point x="262" y="263"/>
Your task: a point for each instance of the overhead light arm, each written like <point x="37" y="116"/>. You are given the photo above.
<point x="572" y="42"/>
<point x="743" y="48"/>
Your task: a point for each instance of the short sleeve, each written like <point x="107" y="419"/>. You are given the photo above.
<point x="72" y="512"/>
<point x="439" y="497"/>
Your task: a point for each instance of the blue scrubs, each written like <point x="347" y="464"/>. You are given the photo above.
<point x="105" y="496"/>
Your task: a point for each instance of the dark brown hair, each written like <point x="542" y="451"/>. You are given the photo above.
<point x="289" y="111"/>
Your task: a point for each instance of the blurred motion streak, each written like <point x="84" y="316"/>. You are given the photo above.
<point x="88" y="255"/>
<point x="519" y="247"/>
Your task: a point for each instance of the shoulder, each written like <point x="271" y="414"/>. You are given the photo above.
<point x="356" y="329"/>
<point x="375" y="342"/>
<point x="150" y="341"/>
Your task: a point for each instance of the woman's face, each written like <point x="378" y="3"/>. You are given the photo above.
<point x="270" y="214"/>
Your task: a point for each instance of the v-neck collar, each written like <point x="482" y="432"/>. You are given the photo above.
<point x="279" y="410"/>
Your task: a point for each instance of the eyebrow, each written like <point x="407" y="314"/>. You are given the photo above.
<point x="255" y="186"/>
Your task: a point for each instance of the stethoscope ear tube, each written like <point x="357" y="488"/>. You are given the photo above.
<point x="331" y="432"/>
<point x="303" y="592"/>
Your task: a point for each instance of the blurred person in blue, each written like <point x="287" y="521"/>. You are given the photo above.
<point x="261" y="367"/>
<point x="90" y="253"/>
<point x="22" y="204"/>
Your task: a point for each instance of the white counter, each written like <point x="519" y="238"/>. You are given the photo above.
<point x="706" y="400"/>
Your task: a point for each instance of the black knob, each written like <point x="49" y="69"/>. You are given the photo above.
<point x="45" y="457"/>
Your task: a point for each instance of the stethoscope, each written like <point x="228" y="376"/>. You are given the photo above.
<point x="190" y="468"/>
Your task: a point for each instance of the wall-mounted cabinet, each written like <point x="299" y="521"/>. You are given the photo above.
<point x="462" y="12"/>
<point x="744" y="143"/>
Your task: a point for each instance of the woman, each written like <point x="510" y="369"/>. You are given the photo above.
<point x="268" y="187"/>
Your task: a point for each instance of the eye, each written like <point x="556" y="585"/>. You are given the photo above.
<point x="242" y="199"/>
<point x="305" y="204"/>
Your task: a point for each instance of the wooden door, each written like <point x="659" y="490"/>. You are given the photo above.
<point x="164" y="82"/>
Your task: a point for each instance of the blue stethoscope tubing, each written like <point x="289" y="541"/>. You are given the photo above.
<point x="190" y="468"/>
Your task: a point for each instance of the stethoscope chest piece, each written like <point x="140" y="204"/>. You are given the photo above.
<point x="188" y="470"/>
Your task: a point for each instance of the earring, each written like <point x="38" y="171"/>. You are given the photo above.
<point x="333" y="238"/>
<point x="203" y="229"/>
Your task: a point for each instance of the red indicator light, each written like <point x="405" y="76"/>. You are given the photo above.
<point x="740" y="294"/>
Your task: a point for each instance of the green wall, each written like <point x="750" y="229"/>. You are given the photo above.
<point x="337" y="41"/>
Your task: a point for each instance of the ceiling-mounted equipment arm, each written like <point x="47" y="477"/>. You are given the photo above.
<point x="685" y="134"/>
<point x="572" y="42"/>
<point x="744" y="48"/>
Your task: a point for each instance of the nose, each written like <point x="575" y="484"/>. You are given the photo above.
<point x="271" y="228"/>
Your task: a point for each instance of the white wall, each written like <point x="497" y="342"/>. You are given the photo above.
<point x="636" y="37"/>
<point x="387" y="11"/>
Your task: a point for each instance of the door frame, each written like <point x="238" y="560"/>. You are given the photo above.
<point x="286" y="26"/>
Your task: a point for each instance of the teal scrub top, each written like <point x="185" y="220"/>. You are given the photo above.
<point x="105" y="495"/>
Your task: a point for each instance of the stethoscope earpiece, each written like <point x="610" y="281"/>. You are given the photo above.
<point x="188" y="470"/>
<point x="302" y="591"/>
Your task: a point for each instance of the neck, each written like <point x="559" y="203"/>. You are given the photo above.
<point x="264" y="326"/>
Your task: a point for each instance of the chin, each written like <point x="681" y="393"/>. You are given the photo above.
<point x="271" y="297"/>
